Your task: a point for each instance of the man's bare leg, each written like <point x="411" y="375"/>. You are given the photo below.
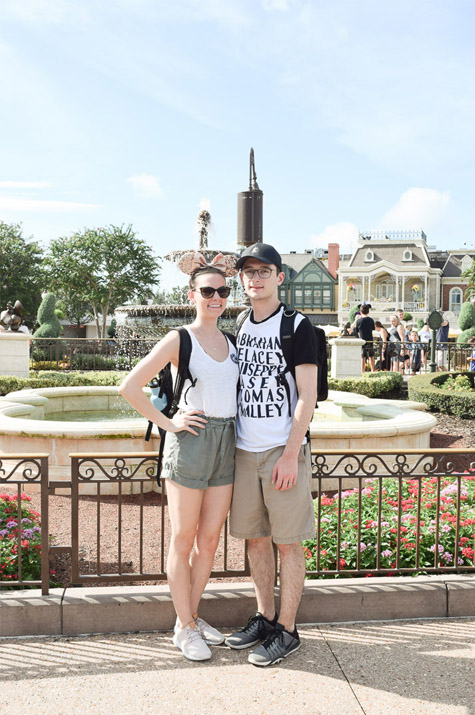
<point x="261" y="559"/>
<point x="292" y="579"/>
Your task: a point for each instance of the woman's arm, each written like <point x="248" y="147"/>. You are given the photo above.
<point x="131" y="389"/>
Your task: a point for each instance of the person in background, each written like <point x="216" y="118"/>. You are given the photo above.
<point x="471" y="359"/>
<point x="384" y="337"/>
<point x="425" y="338"/>
<point x="415" y="350"/>
<point x="442" y="341"/>
<point x="396" y="344"/>
<point x="364" y="330"/>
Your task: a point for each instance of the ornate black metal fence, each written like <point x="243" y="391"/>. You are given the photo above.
<point x="378" y="512"/>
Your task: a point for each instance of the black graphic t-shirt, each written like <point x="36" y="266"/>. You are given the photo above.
<point x="263" y="420"/>
<point x="365" y="327"/>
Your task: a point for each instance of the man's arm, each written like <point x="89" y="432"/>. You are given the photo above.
<point x="285" y="471"/>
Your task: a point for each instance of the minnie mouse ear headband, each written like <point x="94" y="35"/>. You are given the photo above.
<point x="191" y="261"/>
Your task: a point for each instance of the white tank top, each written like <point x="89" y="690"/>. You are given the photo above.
<point x="215" y="388"/>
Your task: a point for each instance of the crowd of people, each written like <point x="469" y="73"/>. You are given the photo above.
<point x="402" y="346"/>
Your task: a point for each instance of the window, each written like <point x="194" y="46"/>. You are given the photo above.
<point x="369" y="255"/>
<point x="283" y="295"/>
<point x="407" y="255"/>
<point x="384" y="291"/>
<point x="308" y="297"/>
<point x="455" y="300"/>
<point x="327" y="297"/>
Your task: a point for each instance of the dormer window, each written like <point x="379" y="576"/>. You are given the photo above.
<point x="407" y="255"/>
<point x="466" y="263"/>
<point x="369" y="255"/>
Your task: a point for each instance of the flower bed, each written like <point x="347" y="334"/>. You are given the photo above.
<point x="12" y="515"/>
<point x="439" y="393"/>
<point x="365" y="539"/>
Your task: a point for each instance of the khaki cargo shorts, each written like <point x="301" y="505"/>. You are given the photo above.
<point x="203" y="460"/>
<point x="258" y="509"/>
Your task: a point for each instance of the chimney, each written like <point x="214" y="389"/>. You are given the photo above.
<point x="333" y="258"/>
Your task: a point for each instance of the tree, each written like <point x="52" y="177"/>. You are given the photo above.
<point x="470" y="274"/>
<point x="102" y="267"/>
<point x="178" y="295"/>
<point x="21" y="273"/>
<point x="77" y="311"/>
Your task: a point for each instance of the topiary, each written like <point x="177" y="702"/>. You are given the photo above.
<point x="407" y="316"/>
<point x="466" y="334"/>
<point x="50" y="327"/>
<point x="352" y="313"/>
<point x="420" y="323"/>
<point x="467" y="316"/>
<point x="111" y="330"/>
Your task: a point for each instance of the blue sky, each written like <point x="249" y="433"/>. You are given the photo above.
<point x="361" y="115"/>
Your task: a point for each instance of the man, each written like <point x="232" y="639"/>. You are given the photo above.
<point x="272" y="499"/>
<point x="364" y="330"/>
<point x="442" y="342"/>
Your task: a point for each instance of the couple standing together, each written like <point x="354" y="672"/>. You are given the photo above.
<point x="254" y="453"/>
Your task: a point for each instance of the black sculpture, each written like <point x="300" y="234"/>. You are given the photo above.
<point x="11" y="318"/>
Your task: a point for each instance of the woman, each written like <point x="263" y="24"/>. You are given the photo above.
<point x="396" y="340"/>
<point x="198" y="462"/>
<point x="385" y="363"/>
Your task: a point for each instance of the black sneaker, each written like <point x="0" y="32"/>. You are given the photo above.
<point x="257" y="629"/>
<point x="277" y="646"/>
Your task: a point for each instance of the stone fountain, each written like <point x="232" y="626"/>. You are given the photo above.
<point x="154" y="321"/>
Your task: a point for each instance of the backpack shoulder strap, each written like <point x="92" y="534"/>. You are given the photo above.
<point x="241" y="318"/>
<point x="287" y="329"/>
<point x="230" y="337"/>
<point x="183" y="372"/>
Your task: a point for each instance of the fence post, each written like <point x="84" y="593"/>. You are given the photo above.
<point x="44" y="526"/>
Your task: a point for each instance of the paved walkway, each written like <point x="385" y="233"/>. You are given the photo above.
<point x="401" y="666"/>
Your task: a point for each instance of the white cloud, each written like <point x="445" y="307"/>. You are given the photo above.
<point x="25" y="185"/>
<point x="146" y="186"/>
<point x="417" y="208"/>
<point x="344" y="233"/>
<point x="14" y="204"/>
<point x="282" y="5"/>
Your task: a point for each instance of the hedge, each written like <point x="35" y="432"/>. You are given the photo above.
<point x="59" y="379"/>
<point x="372" y="384"/>
<point x="422" y="388"/>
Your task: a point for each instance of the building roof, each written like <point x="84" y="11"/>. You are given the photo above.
<point x="391" y="252"/>
<point x="323" y="318"/>
<point x="298" y="261"/>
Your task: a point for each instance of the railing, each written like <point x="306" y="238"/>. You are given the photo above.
<point x="425" y="494"/>
<point x="19" y="470"/>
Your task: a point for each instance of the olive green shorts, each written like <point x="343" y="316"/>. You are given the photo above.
<point x="258" y="509"/>
<point x="203" y="460"/>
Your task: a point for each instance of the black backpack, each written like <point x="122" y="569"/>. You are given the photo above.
<point x="163" y="386"/>
<point x="287" y="330"/>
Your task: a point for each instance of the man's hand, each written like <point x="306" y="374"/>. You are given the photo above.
<point x="285" y="472"/>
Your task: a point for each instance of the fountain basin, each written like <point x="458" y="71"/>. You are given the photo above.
<point x="356" y="422"/>
<point x="24" y="429"/>
<point x="344" y="421"/>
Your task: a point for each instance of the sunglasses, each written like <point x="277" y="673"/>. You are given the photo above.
<point x="208" y="292"/>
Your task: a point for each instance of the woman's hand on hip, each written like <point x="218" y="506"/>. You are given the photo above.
<point x="185" y="421"/>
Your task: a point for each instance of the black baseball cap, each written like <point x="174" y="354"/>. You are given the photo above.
<point x="263" y="252"/>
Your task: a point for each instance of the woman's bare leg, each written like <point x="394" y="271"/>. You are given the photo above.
<point x="184" y="507"/>
<point x="214" y="509"/>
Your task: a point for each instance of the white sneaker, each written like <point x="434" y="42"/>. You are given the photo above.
<point x="190" y="642"/>
<point x="210" y="635"/>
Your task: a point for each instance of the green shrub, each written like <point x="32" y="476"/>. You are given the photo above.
<point x="59" y="379"/>
<point x="407" y="316"/>
<point x="372" y="384"/>
<point x="420" y="323"/>
<point x="50" y="327"/>
<point x="430" y="389"/>
<point x="465" y="335"/>
<point x="467" y="316"/>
